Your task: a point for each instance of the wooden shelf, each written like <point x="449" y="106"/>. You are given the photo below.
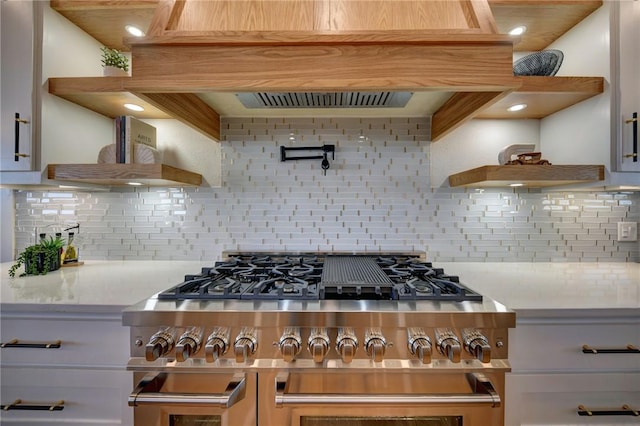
<point x="107" y="96"/>
<point x="546" y="20"/>
<point x="532" y="176"/>
<point x="193" y="102"/>
<point x="122" y="174"/>
<point x="545" y="96"/>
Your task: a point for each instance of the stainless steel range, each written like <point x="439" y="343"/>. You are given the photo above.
<point x="319" y="339"/>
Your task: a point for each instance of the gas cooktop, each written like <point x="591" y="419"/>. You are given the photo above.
<point x="260" y="276"/>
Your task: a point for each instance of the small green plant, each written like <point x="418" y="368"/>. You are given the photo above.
<point x="39" y="259"/>
<point x="113" y="58"/>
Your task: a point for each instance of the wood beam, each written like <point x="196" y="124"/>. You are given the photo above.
<point x="455" y="66"/>
<point x="189" y="109"/>
<point x="461" y="107"/>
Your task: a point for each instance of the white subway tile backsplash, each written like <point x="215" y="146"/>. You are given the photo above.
<point x="376" y="196"/>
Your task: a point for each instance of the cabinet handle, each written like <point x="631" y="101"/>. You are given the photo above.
<point x="15" y="343"/>
<point x="630" y="349"/>
<point x="17" y="153"/>
<point x="634" y="122"/>
<point x="624" y="411"/>
<point x="19" y="405"/>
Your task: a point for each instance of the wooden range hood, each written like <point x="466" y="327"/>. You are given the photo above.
<point x="193" y="48"/>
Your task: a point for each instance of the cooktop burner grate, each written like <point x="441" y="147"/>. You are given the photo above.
<point x="314" y="277"/>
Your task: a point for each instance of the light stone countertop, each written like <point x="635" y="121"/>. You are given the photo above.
<point x="547" y="289"/>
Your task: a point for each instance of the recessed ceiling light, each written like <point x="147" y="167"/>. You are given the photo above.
<point x="516" y="107"/>
<point x="134" y="107"/>
<point x="516" y="184"/>
<point x="134" y="183"/>
<point x="134" y="31"/>
<point x="518" y="30"/>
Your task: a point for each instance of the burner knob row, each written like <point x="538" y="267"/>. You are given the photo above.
<point x="375" y="345"/>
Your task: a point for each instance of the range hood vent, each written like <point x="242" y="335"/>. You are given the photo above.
<point x="324" y="99"/>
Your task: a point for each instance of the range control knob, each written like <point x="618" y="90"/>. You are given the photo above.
<point x="217" y="344"/>
<point x="245" y="344"/>
<point x="290" y="343"/>
<point x="346" y="344"/>
<point x="189" y="343"/>
<point x="448" y="344"/>
<point x="318" y="344"/>
<point x="375" y="344"/>
<point x="160" y="344"/>
<point x="476" y="344"/>
<point x="419" y="344"/>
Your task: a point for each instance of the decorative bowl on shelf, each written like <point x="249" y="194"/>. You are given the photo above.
<point x="544" y="63"/>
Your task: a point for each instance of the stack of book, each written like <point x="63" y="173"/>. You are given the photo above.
<point x="129" y="132"/>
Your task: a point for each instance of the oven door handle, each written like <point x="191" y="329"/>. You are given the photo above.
<point x="483" y="393"/>
<point x="148" y="393"/>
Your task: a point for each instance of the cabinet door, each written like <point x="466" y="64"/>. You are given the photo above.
<point x="83" y="342"/>
<point x="89" y="397"/>
<point x="17" y="91"/>
<point x="629" y="84"/>
<point x="553" y="399"/>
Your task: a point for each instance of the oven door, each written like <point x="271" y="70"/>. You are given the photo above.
<point x="189" y="399"/>
<point x="382" y="398"/>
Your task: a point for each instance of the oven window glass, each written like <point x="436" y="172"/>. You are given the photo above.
<point x="187" y="420"/>
<point x="384" y="421"/>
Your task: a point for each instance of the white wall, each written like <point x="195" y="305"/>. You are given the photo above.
<point x="581" y="134"/>
<point x="69" y="133"/>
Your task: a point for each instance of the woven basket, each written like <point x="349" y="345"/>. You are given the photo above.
<point x="546" y="62"/>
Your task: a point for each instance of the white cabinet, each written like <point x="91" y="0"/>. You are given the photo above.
<point x="626" y="28"/>
<point x="20" y="46"/>
<point x="551" y="376"/>
<point x="87" y="371"/>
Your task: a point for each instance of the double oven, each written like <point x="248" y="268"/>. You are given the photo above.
<point x="319" y="339"/>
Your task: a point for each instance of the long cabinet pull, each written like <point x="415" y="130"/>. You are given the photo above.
<point x="18" y="404"/>
<point x="17" y="153"/>
<point x="15" y="343"/>
<point x="630" y="349"/>
<point x="634" y="123"/>
<point x="625" y="410"/>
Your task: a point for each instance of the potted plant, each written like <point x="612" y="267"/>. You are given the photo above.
<point x="114" y="62"/>
<point x="39" y="259"/>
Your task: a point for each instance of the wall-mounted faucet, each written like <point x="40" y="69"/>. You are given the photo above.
<point x="324" y="157"/>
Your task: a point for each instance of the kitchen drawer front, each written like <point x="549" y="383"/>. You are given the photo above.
<point x="90" y="396"/>
<point x="558" y="347"/>
<point x="553" y="399"/>
<point x="84" y="342"/>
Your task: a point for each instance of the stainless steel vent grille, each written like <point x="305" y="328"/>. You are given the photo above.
<point x="324" y="100"/>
